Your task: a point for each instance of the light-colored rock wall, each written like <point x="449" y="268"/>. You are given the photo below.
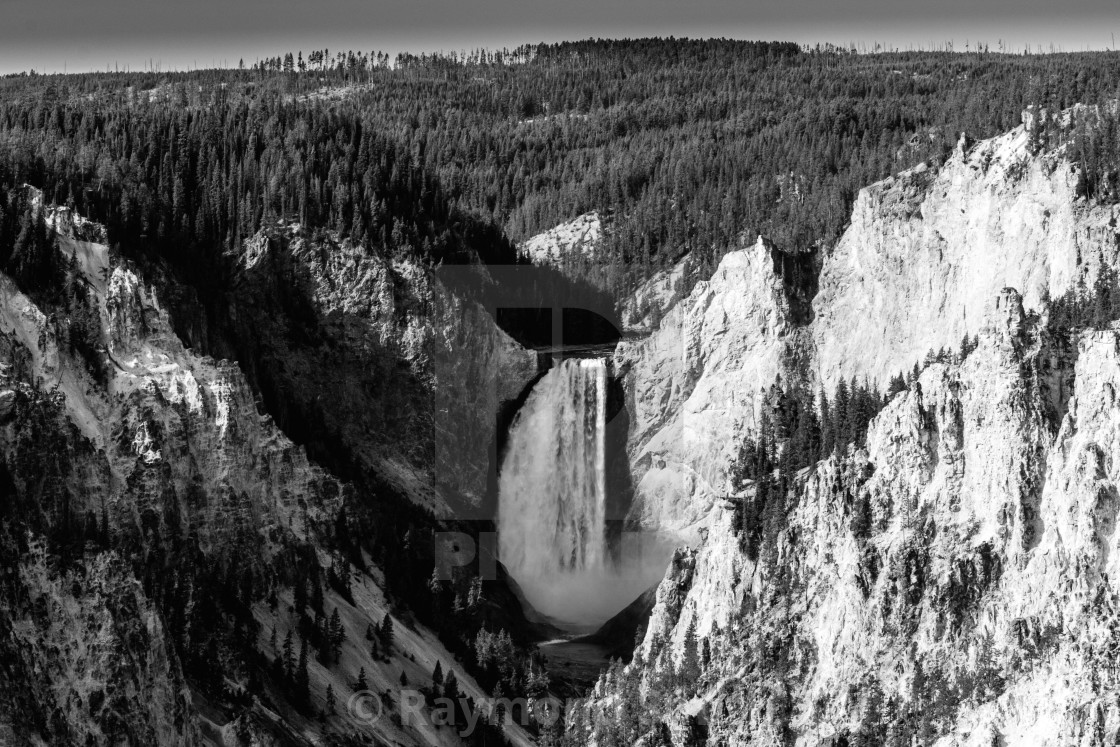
<point x="926" y="251"/>
<point x="954" y="581"/>
<point x="579" y="236"/>
<point x="693" y="386"/>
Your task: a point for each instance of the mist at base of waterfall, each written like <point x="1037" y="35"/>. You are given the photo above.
<point x="580" y="601"/>
<point x="552" y="506"/>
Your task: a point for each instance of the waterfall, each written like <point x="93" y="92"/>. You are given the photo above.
<point x="552" y="488"/>
<point x="552" y="495"/>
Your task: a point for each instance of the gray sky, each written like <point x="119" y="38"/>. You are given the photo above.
<point x="50" y="35"/>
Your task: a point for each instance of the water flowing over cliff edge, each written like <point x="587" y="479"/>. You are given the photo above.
<point x="553" y="505"/>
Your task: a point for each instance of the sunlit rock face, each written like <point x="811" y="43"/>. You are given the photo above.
<point x="959" y="567"/>
<point x="162" y="429"/>
<point x="927" y="249"/>
<point x="642" y="310"/>
<point x="693" y="384"/>
<point x="579" y="236"/>
<point x="952" y="583"/>
<point x="924" y="255"/>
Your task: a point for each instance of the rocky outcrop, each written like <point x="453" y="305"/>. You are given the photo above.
<point x="579" y="236"/>
<point x="1056" y="616"/>
<point x="925" y="253"/>
<point x="953" y="582"/>
<point x="883" y="591"/>
<point x="158" y="447"/>
<point x="165" y="429"/>
<point x="927" y="249"/>
<point x="165" y="453"/>
<point x="694" y="385"/>
<point x="91" y="659"/>
<point x="372" y="363"/>
<point x="191" y="424"/>
<point x="643" y="310"/>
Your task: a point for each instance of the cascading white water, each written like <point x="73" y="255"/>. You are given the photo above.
<point x="552" y="499"/>
<point x="552" y="489"/>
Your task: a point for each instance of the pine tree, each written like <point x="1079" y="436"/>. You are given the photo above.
<point x="690" y="656"/>
<point x="289" y="656"/>
<point x="1104" y="288"/>
<point x="474" y="596"/>
<point x="499" y="706"/>
<point x="745" y="464"/>
<point x="828" y="429"/>
<point x="434" y="584"/>
<point x="302" y="681"/>
<point x="811" y="424"/>
<point x="437" y="674"/>
<point x="339" y="578"/>
<point x="765" y="448"/>
<point x="361" y="684"/>
<point x="336" y="634"/>
<point x="34" y="261"/>
<point x="841" y="418"/>
<point x="299" y="596"/>
<point x="965" y="343"/>
<point x="451" y="686"/>
<point x="316" y="592"/>
<point x="331" y="702"/>
<point x="857" y="409"/>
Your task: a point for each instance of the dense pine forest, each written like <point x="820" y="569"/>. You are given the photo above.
<point x="681" y="145"/>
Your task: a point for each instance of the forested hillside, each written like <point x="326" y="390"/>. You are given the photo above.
<point x="684" y="145"/>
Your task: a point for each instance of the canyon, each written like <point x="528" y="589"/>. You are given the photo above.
<point x="948" y="582"/>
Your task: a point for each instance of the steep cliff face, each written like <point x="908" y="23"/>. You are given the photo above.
<point x="896" y="592"/>
<point x="643" y="310"/>
<point x="159" y="446"/>
<point x="169" y="441"/>
<point x="694" y="383"/>
<point x="1060" y="600"/>
<point x="88" y="660"/>
<point x="925" y="253"/>
<point x="373" y="363"/>
<point x="192" y="424"/>
<point x="158" y="521"/>
<point x="952" y="582"/>
<point x="927" y="249"/>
